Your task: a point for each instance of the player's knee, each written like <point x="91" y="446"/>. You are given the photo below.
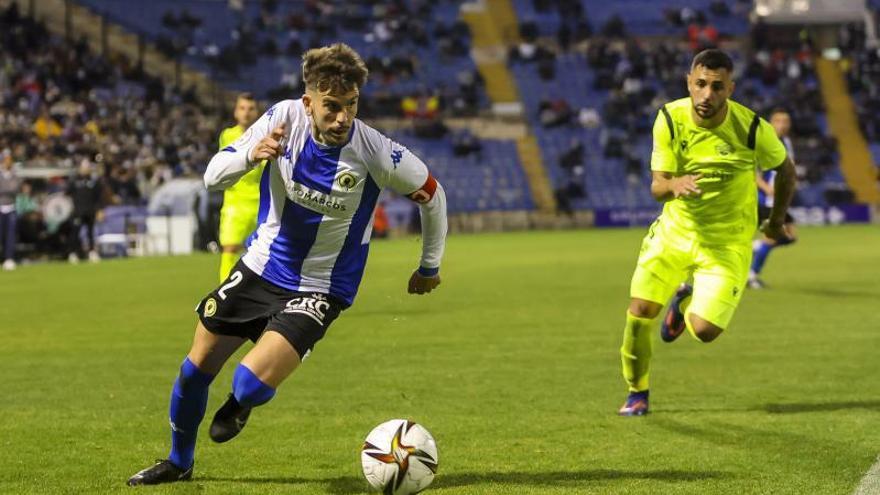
<point x="707" y="333"/>
<point x="703" y="330"/>
<point x="248" y="389"/>
<point x="641" y="308"/>
<point x="192" y="377"/>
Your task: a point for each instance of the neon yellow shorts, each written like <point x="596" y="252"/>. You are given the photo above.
<point x="720" y="273"/>
<point x="237" y="222"/>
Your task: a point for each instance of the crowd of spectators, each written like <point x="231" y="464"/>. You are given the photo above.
<point x="64" y="107"/>
<point x="62" y="104"/>
<point x="394" y="32"/>
<point x="862" y="67"/>
<point x="77" y="116"/>
<point x="636" y="77"/>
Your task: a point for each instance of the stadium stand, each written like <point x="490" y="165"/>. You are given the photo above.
<point x="411" y="47"/>
<point x="589" y="78"/>
<point x="605" y="94"/>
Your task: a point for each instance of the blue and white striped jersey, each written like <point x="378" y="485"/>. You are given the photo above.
<point x="317" y="202"/>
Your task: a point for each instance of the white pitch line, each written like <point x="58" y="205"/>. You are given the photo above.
<point x="870" y="484"/>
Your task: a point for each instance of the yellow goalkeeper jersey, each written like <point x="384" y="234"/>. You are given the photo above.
<point x="245" y="192"/>
<point x="727" y="156"/>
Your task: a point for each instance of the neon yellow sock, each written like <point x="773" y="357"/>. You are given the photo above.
<point x="227" y="261"/>
<point x="636" y="351"/>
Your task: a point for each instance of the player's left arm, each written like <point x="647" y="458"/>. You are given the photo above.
<point x="763" y="185"/>
<point x="770" y="153"/>
<point x="432" y="207"/>
<point x="407" y="175"/>
<point x="783" y="191"/>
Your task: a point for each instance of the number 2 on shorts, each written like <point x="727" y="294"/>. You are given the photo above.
<point x="234" y="280"/>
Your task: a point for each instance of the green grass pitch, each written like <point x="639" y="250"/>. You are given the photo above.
<point x="512" y="365"/>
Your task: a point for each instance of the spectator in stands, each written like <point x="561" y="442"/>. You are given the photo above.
<point x="589" y="118"/>
<point x="573" y="157"/>
<point x="571" y="161"/>
<point x="633" y="168"/>
<point x="123" y="186"/>
<point x="421" y="105"/>
<point x="702" y="35"/>
<point x="10" y="184"/>
<point x="553" y="113"/>
<point x="583" y="32"/>
<point x="87" y="191"/>
<point x="546" y="64"/>
<point x="465" y="143"/>
<point x="45" y="126"/>
<point x="380" y="222"/>
<point x="31" y="227"/>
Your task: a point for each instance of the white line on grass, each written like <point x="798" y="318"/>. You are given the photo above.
<point x="870" y="484"/>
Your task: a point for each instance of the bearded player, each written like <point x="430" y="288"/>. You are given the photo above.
<point x="706" y="152"/>
<point x="306" y="259"/>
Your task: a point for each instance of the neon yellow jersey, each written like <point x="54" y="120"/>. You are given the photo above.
<point x="727" y="156"/>
<point x="245" y="192"/>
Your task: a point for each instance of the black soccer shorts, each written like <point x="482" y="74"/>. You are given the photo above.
<point x="245" y="305"/>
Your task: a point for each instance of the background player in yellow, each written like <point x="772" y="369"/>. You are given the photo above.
<point x="238" y="217"/>
<point x="706" y="150"/>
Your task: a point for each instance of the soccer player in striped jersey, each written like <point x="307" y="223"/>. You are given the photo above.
<point x="706" y="151"/>
<point x="305" y="260"/>
<point x="781" y="122"/>
<point x="238" y="217"/>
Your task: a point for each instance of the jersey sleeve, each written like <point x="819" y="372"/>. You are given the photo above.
<point x="398" y="168"/>
<point x="662" y="156"/>
<point x="231" y="162"/>
<point x="769" y="149"/>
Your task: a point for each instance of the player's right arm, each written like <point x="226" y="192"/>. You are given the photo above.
<point x="664" y="184"/>
<point x="665" y="187"/>
<point x="263" y="140"/>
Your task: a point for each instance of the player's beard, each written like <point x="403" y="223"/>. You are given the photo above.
<point x="708" y="111"/>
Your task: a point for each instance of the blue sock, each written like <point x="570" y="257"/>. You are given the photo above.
<point x="188" y="401"/>
<point x="759" y="256"/>
<point x="249" y="391"/>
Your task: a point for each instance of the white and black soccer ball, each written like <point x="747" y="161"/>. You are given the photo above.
<point x="399" y="457"/>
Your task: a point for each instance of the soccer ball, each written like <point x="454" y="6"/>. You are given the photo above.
<point x="399" y="457"/>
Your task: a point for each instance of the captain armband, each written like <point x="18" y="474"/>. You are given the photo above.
<point x="425" y="193"/>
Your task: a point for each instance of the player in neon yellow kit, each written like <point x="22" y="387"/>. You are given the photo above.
<point x="238" y="217"/>
<point x="706" y="150"/>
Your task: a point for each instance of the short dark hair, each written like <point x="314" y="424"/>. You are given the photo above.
<point x="336" y="68"/>
<point x="778" y="110"/>
<point x="245" y="96"/>
<point x="713" y="59"/>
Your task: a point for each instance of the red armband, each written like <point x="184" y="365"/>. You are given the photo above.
<point x="425" y="193"/>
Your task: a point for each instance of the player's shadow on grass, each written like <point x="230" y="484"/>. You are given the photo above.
<point x="832" y="292"/>
<point x="779" y="408"/>
<point x="568" y="477"/>
<point x="821" y="406"/>
<point x="349" y="485"/>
